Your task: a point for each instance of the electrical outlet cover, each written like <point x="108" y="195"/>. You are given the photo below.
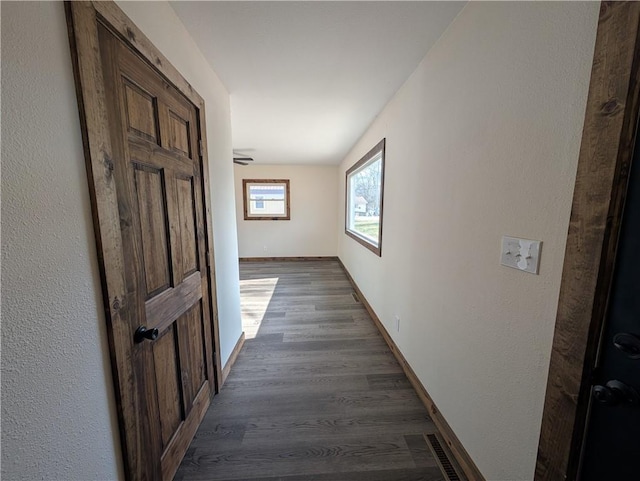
<point x="521" y="254"/>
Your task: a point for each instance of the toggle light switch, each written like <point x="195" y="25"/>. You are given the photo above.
<point x="521" y="254"/>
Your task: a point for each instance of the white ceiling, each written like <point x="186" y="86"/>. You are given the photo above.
<point x="307" y="78"/>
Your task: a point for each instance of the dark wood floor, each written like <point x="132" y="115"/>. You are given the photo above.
<point x="315" y="393"/>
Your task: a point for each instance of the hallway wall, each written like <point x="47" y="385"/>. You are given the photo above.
<point x="312" y="228"/>
<point x="482" y="141"/>
<point x="58" y="408"/>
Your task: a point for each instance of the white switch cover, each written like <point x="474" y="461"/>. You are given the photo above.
<point x="521" y="254"/>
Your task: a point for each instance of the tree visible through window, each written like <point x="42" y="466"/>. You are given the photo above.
<point x="365" y="186"/>
<point x="266" y="199"/>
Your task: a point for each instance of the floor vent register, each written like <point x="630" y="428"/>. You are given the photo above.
<point x="442" y="456"/>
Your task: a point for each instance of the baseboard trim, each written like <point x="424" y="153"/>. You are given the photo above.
<point x="286" y="259"/>
<point x="232" y="359"/>
<point x="462" y="457"/>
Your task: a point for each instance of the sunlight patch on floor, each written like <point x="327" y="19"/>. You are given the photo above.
<point x="256" y="295"/>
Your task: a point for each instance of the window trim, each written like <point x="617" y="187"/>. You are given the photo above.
<point x="379" y="148"/>
<point x="287" y="199"/>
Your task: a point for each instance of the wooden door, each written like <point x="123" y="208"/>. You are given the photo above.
<point x="156" y="164"/>
<point x="612" y="440"/>
<point x="143" y="130"/>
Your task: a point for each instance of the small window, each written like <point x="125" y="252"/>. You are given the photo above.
<point x="365" y="187"/>
<point x="266" y="199"/>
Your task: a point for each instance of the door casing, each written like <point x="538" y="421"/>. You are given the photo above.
<point x="600" y="189"/>
<point x="82" y="21"/>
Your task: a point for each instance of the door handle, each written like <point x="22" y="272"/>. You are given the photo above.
<point x="143" y="333"/>
<point x="627" y="343"/>
<point x="615" y="392"/>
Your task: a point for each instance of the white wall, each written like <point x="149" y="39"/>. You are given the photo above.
<point x="58" y="416"/>
<point x="312" y="228"/>
<point x="482" y="141"/>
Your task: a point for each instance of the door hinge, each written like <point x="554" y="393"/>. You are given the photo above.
<point x="201" y="147"/>
<point x="208" y="258"/>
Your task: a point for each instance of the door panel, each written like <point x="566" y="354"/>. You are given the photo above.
<point x="160" y="202"/>
<point x="141" y="112"/>
<point x="612" y="442"/>
<point x="151" y="193"/>
<point x="191" y="351"/>
<point x="168" y="384"/>
<point x="179" y="134"/>
<point x="188" y="224"/>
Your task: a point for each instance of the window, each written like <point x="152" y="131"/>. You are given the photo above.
<point x="266" y="199"/>
<point x="365" y="186"/>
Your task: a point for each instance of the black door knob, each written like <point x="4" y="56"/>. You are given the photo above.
<point x="627" y="343"/>
<point x="604" y="395"/>
<point x="143" y="333"/>
<point x="615" y="392"/>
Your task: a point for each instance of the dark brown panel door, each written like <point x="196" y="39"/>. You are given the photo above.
<point x="613" y="426"/>
<point x="157" y="167"/>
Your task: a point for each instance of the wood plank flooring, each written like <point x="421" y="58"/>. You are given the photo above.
<point x="315" y="394"/>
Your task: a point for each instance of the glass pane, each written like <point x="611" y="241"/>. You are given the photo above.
<point x="364" y="201"/>
<point x="267" y="192"/>
<point x="267" y="207"/>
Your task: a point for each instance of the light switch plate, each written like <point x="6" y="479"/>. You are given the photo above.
<point x="521" y="254"/>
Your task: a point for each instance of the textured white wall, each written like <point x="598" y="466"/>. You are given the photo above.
<point x="482" y="141"/>
<point x="58" y="417"/>
<point x="159" y="22"/>
<point x="312" y="228"/>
